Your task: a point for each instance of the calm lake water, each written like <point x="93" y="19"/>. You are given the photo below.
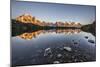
<point x="53" y="46"/>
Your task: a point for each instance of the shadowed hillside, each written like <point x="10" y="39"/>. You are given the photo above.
<point x="90" y="28"/>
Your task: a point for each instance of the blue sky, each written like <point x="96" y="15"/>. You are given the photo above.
<point x="51" y="12"/>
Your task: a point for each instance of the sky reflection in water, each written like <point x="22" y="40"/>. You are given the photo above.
<point x="53" y="46"/>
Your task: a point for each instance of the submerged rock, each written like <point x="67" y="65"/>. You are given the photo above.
<point x="91" y="41"/>
<point x="75" y="42"/>
<point x="86" y="37"/>
<point x="67" y="48"/>
<point x="48" y="52"/>
<point x="56" y="62"/>
<point x="59" y="55"/>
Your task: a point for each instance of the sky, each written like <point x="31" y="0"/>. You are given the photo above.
<point x="52" y="12"/>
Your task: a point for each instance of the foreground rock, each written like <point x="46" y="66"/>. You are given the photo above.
<point x="59" y="55"/>
<point x="48" y="52"/>
<point x="91" y="41"/>
<point x="67" y="49"/>
<point x="56" y="62"/>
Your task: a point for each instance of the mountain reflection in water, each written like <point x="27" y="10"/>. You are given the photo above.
<point x="53" y="46"/>
<point x="35" y="34"/>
